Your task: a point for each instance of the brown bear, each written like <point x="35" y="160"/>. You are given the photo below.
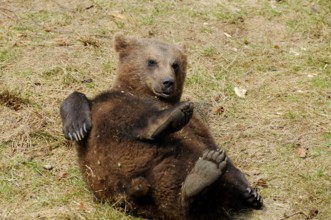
<point x="141" y="148"/>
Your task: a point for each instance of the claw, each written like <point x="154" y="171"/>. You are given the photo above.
<point x="84" y="125"/>
<point x="204" y="154"/>
<point x="215" y="155"/>
<point x="70" y="136"/>
<point x="81" y="133"/>
<point x="78" y="135"/>
<point x="220" y="157"/>
<point x="75" y="136"/>
<point x="254" y="194"/>
<point x="210" y="153"/>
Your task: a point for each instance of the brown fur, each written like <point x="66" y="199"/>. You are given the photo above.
<point x="134" y="77"/>
<point x="141" y="174"/>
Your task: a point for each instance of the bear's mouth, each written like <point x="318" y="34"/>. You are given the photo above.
<point x="163" y="94"/>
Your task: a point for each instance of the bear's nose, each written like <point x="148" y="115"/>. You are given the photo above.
<point x="167" y="83"/>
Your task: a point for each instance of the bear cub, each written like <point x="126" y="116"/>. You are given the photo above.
<point x="141" y="148"/>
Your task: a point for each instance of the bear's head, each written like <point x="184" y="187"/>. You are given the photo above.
<point x="150" y="68"/>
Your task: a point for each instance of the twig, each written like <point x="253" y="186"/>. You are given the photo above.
<point x="60" y="5"/>
<point x="297" y="213"/>
<point x="90" y="169"/>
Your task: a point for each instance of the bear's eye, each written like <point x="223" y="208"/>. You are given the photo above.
<point x="151" y="63"/>
<point x="175" y="67"/>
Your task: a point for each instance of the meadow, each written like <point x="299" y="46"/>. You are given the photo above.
<point x="279" y="133"/>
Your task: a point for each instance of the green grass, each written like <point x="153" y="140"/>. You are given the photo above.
<point x="278" y="50"/>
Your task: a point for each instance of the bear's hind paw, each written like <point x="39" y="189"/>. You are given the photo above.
<point x="253" y="198"/>
<point x="205" y="172"/>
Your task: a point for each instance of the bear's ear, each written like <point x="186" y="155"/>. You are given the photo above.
<point x="122" y="42"/>
<point x="181" y="46"/>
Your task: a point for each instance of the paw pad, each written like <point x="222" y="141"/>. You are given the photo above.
<point x="206" y="171"/>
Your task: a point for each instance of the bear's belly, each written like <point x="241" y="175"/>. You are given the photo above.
<point x="113" y="158"/>
<point x="110" y="165"/>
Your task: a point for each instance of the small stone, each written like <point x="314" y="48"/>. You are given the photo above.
<point x="48" y="167"/>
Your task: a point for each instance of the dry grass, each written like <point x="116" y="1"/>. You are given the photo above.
<point x="280" y="134"/>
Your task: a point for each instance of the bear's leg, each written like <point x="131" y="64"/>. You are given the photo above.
<point x="173" y="119"/>
<point x="165" y="122"/>
<point x="205" y="172"/>
<point x="238" y="186"/>
<point x="76" y="116"/>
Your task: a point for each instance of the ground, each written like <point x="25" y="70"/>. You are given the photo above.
<point x="279" y="134"/>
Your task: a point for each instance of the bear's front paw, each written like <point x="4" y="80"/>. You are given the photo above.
<point x="76" y="130"/>
<point x="181" y="115"/>
<point x="173" y="119"/>
<point x="205" y="172"/>
<point x="75" y="114"/>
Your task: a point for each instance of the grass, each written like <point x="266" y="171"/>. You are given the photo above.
<point x="278" y="50"/>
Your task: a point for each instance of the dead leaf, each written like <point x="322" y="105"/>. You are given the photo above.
<point x="227" y="35"/>
<point x="217" y="98"/>
<point x="294" y="52"/>
<point x="219" y="110"/>
<point x="301" y="152"/>
<point x="117" y="14"/>
<point x="89" y="41"/>
<point x="262" y="182"/>
<point x="240" y="92"/>
<point x="234" y="49"/>
<point x="313" y="213"/>
<point x="61" y="175"/>
<point x="47" y="29"/>
<point x="62" y="42"/>
<point x="311" y="75"/>
<point x="89" y="80"/>
<point x="89" y="7"/>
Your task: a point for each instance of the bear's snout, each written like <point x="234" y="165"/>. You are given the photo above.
<point x="168" y="86"/>
<point x="168" y="83"/>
